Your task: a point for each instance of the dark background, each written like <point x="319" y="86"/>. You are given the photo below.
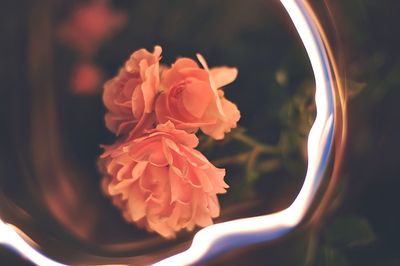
<point x="362" y="228"/>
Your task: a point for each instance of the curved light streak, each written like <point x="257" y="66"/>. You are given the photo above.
<point x="222" y="237"/>
<point x="10" y="237"/>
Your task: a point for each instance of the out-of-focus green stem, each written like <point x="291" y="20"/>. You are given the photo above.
<point x="269" y="165"/>
<point x="240" y="158"/>
<point x="261" y="147"/>
<point x="251" y="173"/>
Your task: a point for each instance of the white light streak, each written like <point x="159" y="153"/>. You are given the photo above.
<point x="10" y="238"/>
<point x="222" y="237"/>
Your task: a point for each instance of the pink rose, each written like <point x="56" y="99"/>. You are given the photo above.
<point x="129" y="97"/>
<point x="192" y="98"/>
<point x="161" y="182"/>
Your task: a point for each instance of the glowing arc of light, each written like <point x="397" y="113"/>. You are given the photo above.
<point x="221" y="237"/>
<point x="218" y="238"/>
<point x="11" y="238"/>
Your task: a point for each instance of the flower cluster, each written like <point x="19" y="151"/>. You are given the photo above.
<point x="153" y="173"/>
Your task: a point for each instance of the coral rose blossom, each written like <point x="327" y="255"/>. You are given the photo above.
<point x="191" y="98"/>
<point x="129" y="97"/>
<point x="161" y="182"/>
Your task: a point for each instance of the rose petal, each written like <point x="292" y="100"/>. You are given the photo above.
<point x="223" y="75"/>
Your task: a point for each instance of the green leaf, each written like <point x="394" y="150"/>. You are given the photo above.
<point x="350" y="232"/>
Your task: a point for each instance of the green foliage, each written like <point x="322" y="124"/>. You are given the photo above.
<point x="338" y="239"/>
<point x="350" y="231"/>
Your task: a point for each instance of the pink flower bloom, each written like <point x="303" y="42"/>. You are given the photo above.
<point x="89" y="25"/>
<point x="129" y="97"/>
<point x="192" y="98"/>
<point x="86" y="78"/>
<point x="161" y="182"/>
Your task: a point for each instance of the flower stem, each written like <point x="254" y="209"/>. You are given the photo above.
<point x="269" y="165"/>
<point x="263" y="148"/>
<point x="240" y="158"/>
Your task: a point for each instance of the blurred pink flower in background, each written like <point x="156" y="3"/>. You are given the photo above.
<point x="161" y="182"/>
<point x="192" y="98"/>
<point x="89" y="25"/>
<point x="129" y="97"/>
<point x="86" y="79"/>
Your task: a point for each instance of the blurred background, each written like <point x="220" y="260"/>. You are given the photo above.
<point x="56" y="54"/>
